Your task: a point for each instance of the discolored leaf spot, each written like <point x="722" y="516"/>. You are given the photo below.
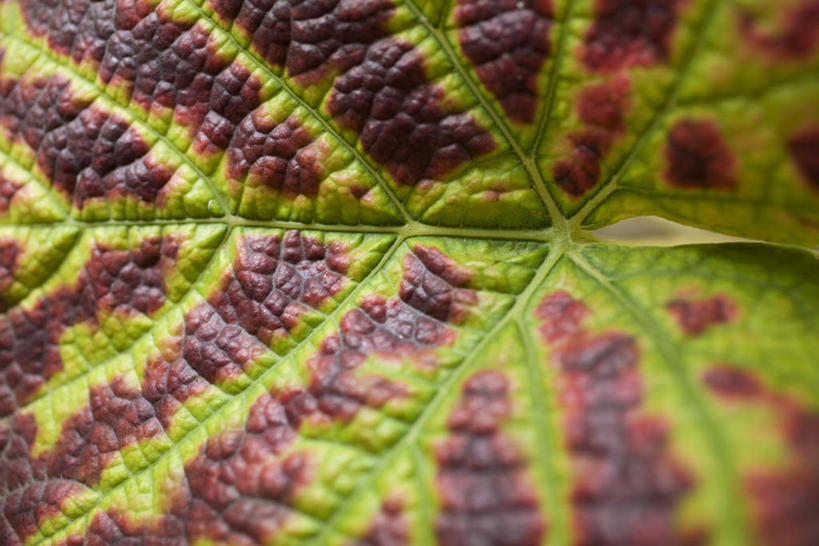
<point x="729" y="382"/>
<point x="610" y="441"/>
<point x="696" y="316"/>
<point x="796" y="39"/>
<point x="399" y="115"/>
<point x="273" y="281"/>
<point x="8" y="189"/>
<point x="9" y="253"/>
<point x="628" y="33"/>
<point x="394" y="328"/>
<point x="783" y="499"/>
<point x="282" y="156"/>
<point x="433" y="282"/>
<point x="602" y="108"/>
<point x="804" y="149"/>
<point x="113" y="527"/>
<point x="78" y="29"/>
<point x="381" y="91"/>
<point x="697" y="157"/>
<point x="87" y="153"/>
<point x="116" y="416"/>
<point x="163" y="62"/>
<point x="508" y="42"/>
<point x="389" y="528"/>
<point x="120" y="281"/>
<point x="239" y="487"/>
<point x="26" y="498"/>
<point x="35" y="487"/>
<point x="309" y="36"/>
<point x="486" y="496"/>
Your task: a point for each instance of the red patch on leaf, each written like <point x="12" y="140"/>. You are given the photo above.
<point x="697" y="157"/>
<point x="629" y="33"/>
<point x="284" y="157"/>
<point x="798" y="37"/>
<point x="273" y="282"/>
<point x="308" y="35"/>
<point x="696" y="316"/>
<point x="9" y="252"/>
<point x="627" y="483"/>
<point x="117" y="416"/>
<point x="120" y="281"/>
<point x="804" y="149"/>
<point x="387" y="99"/>
<point x="87" y="153"/>
<point x="33" y="488"/>
<point x="8" y="189"/>
<point x="508" y="42"/>
<point x="432" y="290"/>
<point x="486" y="495"/>
<point x="381" y="92"/>
<point x="389" y="528"/>
<point x="602" y="109"/>
<point x="784" y="501"/>
<point x="729" y="382"/>
<point x="163" y="62"/>
<point x="25" y="499"/>
<point x="113" y="527"/>
<point x="239" y="487"/>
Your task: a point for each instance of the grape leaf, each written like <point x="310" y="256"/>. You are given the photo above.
<point x="319" y="272"/>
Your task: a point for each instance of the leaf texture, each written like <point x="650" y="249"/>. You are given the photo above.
<point x="316" y="272"/>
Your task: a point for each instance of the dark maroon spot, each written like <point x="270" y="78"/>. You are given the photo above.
<point x="9" y="252"/>
<point x="78" y="29"/>
<point x="431" y="291"/>
<point x="804" y="148"/>
<point x="167" y="383"/>
<point x="698" y="157"/>
<point x="387" y="99"/>
<point x="486" y="497"/>
<point x="282" y="156"/>
<point x="8" y="189"/>
<point x="389" y="528"/>
<point x="628" y="33"/>
<point x="602" y="109"/>
<point x="117" y="416"/>
<point x="307" y="36"/>
<point x="562" y="315"/>
<point x="696" y="316"/>
<point x="798" y="37"/>
<point x="272" y="283"/>
<point x="238" y="489"/>
<point x="382" y="91"/>
<point x="21" y="488"/>
<point x="730" y="382"/>
<point x="627" y="483"/>
<point x="33" y="488"/>
<point x="784" y="500"/>
<point x="433" y="283"/>
<point x="120" y="281"/>
<point x="163" y="62"/>
<point x="508" y="42"/>
<point x="113" y="527"/>
<point x="85" y="152"/>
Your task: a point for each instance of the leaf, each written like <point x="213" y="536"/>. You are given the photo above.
<point x="282" y="272"/>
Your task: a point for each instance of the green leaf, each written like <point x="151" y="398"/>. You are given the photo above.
<point x="318" y="272"/>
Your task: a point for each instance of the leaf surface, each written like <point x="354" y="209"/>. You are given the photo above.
<point x="281" y="272"/>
